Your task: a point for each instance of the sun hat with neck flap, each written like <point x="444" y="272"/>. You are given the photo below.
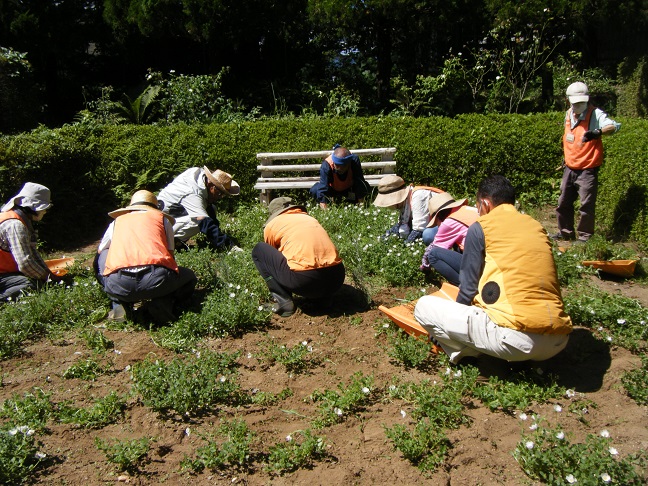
<point x="441" y="201"/>
<point x="223" y="181"/>
<point x="141" y="201"/>
<point x="392" y="190"/>
<point x="32" y="196"/>
<point x="280" y="205"/>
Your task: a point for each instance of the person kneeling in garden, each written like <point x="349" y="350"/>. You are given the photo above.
<point x="297" y="256"/>
<point x="412" y="203"/>
<point x="135" y="260"/>
<point x="449" y="223"/>
<point x="509" y="304"/>
<point x="21" y="266"/>
<point x="341" y="177"/>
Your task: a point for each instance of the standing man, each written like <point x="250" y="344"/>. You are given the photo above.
<point x="135" y="260"/>
<point x="297" y="256"/>
<point x="21" y="266"/>
<point x="583" y="150"/>
<point x="190" y="198"/>
<point x="509" y="304"/>
<point x="340" y="177"/>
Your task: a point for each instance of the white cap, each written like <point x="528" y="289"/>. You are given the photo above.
<point x="577" y="92"/>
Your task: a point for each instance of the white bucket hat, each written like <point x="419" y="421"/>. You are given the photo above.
<point x="33" y="196"/>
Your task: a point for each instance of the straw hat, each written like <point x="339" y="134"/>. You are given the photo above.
<point x="577" y="92"/>
<point x="33" y="196"/>
<point x="441" y="201"/>
<point x="141" y="201"/>
<point x="223" y="181"/>
<point x="279" y="205"/>
<point x="391" y="191"/>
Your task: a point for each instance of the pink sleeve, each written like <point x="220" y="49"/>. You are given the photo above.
<point x="450" y="232"/>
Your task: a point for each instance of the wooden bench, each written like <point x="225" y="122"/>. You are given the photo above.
<point x="273" y="172"/>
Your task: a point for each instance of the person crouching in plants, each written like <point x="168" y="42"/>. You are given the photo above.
<point x="297" y="256"/>
<point x="509" y="304"/>
<point x="412" y="204"/>
<point x="449" y="223"/>
<point x="135" y="260"/>
<point x="21" y="266"/>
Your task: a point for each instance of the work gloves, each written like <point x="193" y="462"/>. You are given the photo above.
<point x="425" y="262"/>
<point x="592" y="135"/>
<point x="413" y="235"/>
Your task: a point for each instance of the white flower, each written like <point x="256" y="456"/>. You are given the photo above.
<point x="338" y="411"/>
<point x="605" y="433"/>
<point x="386" y="325"/>
<point x="392" y="387"/>
<point x="304" y="343"/>
<point x="40" y="455"/>
<point x="222" y="379"/>
<point x="232" y="295"/>
<point x="457" y="374"/>
<point x="609" y="338"/>
<point x="571" y="479"/>
<point x="570" y="393"/>
<point x="260" y="308"/>
<point x="365" y="390"/>
<point x="560" y="435"/>
<point x="249" y="356"/>
<point x="187" y="431"/>
<point x="557" y="408"/>
<point x="613" y="451"/>
<point x="289" y="438"/>
<point x="621" y="321"/>
<point x="448" y="371"/>
<point x="403" y="413"/>
<point x="529" y="445"/>
<point x="605" y="477"/>
<point x="533" y="426"/>
<point x="523" y="416"/>
<point x="310" y="349"/>
<point x="127" y="368"/>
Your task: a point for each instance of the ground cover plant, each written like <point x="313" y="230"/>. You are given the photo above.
<point x="230" y="392"/>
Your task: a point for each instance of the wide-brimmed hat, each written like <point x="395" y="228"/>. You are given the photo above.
<point x="141" y="201"/>
<point x="391" y="191"/>
<point x="223" y="182"/>
<point x="577" y="92"/>
<point x="441" y="201"/>
<point x="279" y="205"/>
<point x="33" y="196"/>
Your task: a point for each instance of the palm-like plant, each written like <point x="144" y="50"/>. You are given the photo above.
<point x="139" y="110"/>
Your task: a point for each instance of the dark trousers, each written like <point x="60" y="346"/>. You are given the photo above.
<point x="156" y="283"/>
<point x="281" y="280"/>
<point x="12" y="285"/>
<point x="446" y="262"/>
<point x="584" y="185"/>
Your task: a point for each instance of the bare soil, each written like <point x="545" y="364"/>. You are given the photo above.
<point x="344" y="342"/>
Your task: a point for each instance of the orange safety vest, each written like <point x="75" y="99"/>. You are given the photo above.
<point x="581" y="155"/>
<point x="7" y="261"/>
<point x="339" y="185"/>
<point x="139" y="239"/>
<point x="466" y="215"/>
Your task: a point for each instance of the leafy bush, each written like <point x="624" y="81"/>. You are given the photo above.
<point x="19" y="454"/>
<point x="409" y="350"/>
<point x="85" y="370"/>
<point x="636" y="382"/>
<point x="425" y="447"/>
<point x="334" y="405"/>
<point x="547" y="455"/>
<point x="33" y="410"/>
<point x="105" y="411"/>
<point x="127" y="454"/>
<point x="296" y="453"/>
<point x="296" y="359"/>
<point x="190" y="385"/>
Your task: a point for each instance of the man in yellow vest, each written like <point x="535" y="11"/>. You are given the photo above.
<point x="341" y="177"/>
<point x="135" y="260"/>
<point x="509" y="304"/>
<point x="583" y="149"/>
<point x="297" y="256"/>
<point x="21" y="266"/>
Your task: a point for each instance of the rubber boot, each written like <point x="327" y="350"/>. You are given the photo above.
<point x="285" y="307"/>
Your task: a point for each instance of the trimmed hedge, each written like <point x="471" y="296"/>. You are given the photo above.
<point x="94" y="170"/>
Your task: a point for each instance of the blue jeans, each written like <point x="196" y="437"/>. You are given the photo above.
<point x="446" y="262"/>
<point x="429" y="234"/>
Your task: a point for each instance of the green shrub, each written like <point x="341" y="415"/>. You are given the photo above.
<point x="127" y="454"/>
<point x="33" y="409"/>
<point x="636" y="382"/>
<point x="547" y="455"/>
<point x="301" y="449"/>
<point x="85" y="370"/>
<point x="105" y="411"/>
<point x="335" y="405"/>
<point x="425" y="447"/>
<point x="187" y="386"/>
<point x="19" y="454"/>
<point x="411" y="351"/>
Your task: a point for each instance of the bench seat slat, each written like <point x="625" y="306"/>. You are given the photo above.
<point x="312" y="179"/>
<point x="297" y="184"/>
<point x="322" y="154"/>
<point x="315" y="167"/>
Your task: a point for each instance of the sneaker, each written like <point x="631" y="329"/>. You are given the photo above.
<point x="560" y="236"/>
<point x="285" y="307"/>
<point x="117" y="314"/>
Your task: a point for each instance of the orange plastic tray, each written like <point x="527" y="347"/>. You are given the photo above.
<point x="622" y="268"/>
<point x="403" y="315"/>
<point x="58" y="266"/>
